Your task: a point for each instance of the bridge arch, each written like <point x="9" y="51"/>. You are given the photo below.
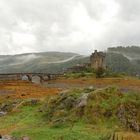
<point x="26" y="77"/>
<point x="37" y="78"/>
<point x="30" y="76"/>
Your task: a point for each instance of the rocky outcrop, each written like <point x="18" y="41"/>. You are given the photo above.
<point x="106" y="103"/>
<point x="128" y="115"/>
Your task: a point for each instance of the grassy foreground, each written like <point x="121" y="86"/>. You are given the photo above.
<point x="60" y="117"/>
<point x="29" y="122"/>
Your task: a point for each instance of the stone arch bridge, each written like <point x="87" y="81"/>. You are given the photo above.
<point x="19" y="76"/>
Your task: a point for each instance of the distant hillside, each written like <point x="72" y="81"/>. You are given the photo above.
<point x="119" y="59"/>
<point x="39" y="62"/>
<point x="131" y="52"/>
<point x="124" y="59"/>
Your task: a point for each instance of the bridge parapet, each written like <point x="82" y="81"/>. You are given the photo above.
<point x="19" y="76"/>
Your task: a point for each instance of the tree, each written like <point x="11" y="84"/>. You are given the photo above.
<point x="99" y="72"/>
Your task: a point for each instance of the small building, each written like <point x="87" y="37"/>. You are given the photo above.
<point x="78" y="68"/>
<point x="97" y="60"/>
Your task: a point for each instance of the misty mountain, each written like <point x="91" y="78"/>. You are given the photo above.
<point x="39" y="62"/>
<point x="124" y="59"/>
<point x="119" y="59"/>
<point x="131" y="52"/>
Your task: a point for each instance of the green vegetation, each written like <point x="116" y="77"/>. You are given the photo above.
<point x="88" y="73"/>
<point x="131" y="52"/>
<point x="100" y="108"/>
<point x="100" y="73"/>
<point x="124" y="60"/>
<point x="80" y="75"/>
<point x="79" y="114"/>
<point x="28" y="121"/>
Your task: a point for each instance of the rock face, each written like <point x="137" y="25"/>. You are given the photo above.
<point x="129" y="116"/>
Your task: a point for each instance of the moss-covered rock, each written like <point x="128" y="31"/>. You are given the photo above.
<point x="129" y="115"/>
<point x="93" y="106"/>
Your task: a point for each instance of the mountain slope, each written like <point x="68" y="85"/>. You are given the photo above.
<point x="119" y="59"/>
<point x="131" y="52"/>
<point x="38" y="62"/>
<point x="124" y="59"/>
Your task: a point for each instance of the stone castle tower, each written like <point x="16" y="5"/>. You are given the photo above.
<point x="97" y="60"/>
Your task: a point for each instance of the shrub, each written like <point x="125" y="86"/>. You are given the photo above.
<point x="99" y="72"/>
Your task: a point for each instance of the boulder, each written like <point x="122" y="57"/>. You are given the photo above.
<point x="2" y="113"/>
<point x="25" y="138"/>
<point x="91" y="87"/>
<point x="82" y="101"/>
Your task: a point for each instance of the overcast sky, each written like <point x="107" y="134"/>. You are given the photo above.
<point x="67" y="25"/>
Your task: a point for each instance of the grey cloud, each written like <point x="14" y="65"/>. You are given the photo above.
<point x="129" y="9"/>
<point x="52" y="26"/>
<point x="95" y="8"/>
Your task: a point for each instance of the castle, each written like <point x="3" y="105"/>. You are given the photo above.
<point x="97" y="60"/>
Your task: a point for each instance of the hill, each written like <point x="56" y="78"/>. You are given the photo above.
<point x="124" y="59"/>
<point x="131" y="52"/>
<point x="39" y="62"/>
<point x="119" y="59"/>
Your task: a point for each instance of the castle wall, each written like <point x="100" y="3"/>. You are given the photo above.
<point x="97" y="60"/>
